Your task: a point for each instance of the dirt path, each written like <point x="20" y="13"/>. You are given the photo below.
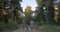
<point x="34" y="30"/>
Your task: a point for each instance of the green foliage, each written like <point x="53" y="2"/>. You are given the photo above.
<point x="14" y="7"/>
<point x="51" y="28"/>
<point x="8" y="26"/>
<point x="49" y="17"/>
<point x="11" y="26"/>
<point x="39" y="2"/>
<point x="28" y="14"/>
<point x="1" y="26"/>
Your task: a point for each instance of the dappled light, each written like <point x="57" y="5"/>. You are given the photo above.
<point x="29" y="15"/>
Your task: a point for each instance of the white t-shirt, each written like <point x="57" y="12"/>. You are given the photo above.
<point x="31" y="23"/>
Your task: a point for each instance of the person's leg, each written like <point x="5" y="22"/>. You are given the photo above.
<point x="27" y="28"/>
<point x="31" y="28"/>
<point x="23" y="27"/>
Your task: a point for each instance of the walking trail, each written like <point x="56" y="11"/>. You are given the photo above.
<point x="34" y="30"/>
<point x="41" y="29"/>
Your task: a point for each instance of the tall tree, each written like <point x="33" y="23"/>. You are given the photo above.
<point x="45" y="10"/>
<point x="9" y="8"/>
<point x="28" y="14"/>
<point x="15" y="4"/>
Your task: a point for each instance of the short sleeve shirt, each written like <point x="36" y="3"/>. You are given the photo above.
<point x="31" y="23"/>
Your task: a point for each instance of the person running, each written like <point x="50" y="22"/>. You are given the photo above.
<point x="31" y="24"/>
<point x="23" y="24"/>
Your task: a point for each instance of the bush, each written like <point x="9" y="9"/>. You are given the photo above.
<point x="51" y="28"/>
<point x="11" y="26"/>
<point x="1" y="26"/>
<point x="8" y="26"/>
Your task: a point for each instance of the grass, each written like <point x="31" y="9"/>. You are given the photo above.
<point x="49" y="28"/>
<point x="52" y="28"/>
<point x="8" y="26"/>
